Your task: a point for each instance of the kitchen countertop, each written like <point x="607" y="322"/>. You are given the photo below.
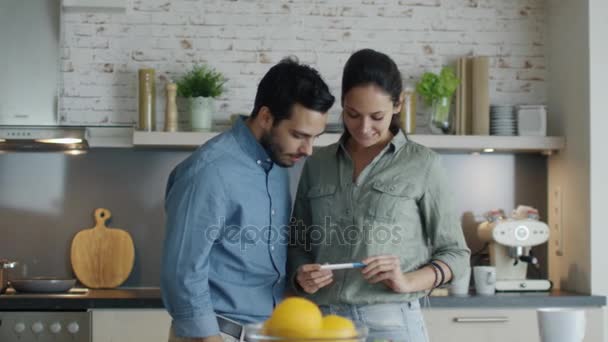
<point x="555" y="298"/>
<point x="149" y="298"/>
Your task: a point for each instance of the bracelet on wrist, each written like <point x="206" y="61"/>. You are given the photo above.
<point x="440" y="269"/>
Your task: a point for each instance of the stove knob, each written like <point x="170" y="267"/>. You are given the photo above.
<point x="37" y="327"/>
<point x="55" y="327"/>
<point x="19" y="327"/>
<point x="73" y="327"/>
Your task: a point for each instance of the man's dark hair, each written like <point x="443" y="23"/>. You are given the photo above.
<point x="288" y="83"/>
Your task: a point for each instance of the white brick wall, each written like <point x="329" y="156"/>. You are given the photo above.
<point x="243" y="38"/>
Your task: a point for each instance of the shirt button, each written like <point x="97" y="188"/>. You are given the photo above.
<point x="272" y="248"/>
<point x="268" y="160"/>
<point x="259" y="162"/>
<point x="272" y="212"/>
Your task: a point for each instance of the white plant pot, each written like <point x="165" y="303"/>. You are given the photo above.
<point x="201" y="112"/>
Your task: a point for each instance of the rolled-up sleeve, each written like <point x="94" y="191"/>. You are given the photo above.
<point x="195" y="205"/>
<point x="441" y="222"/>
<point x="301" y="218"/>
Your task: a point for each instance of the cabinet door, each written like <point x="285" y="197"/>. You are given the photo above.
<point x="496" y="325"/>
<point x="481" y="325"/>
<point x="131" y="325"/>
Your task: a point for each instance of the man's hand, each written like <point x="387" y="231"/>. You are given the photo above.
<point x="386" y="269"/>
<point x="312" y="278"/>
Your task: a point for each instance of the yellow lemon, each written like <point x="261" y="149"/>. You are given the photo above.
<point x="337" y="327"/>
<point x="294" y="318"/>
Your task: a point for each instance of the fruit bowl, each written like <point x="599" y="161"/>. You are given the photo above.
<point x="256" y="333"/>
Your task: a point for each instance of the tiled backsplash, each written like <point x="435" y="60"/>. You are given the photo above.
<point x="47" y="198"/>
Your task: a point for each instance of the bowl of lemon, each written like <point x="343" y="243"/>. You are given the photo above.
<point x="299" y="320"/>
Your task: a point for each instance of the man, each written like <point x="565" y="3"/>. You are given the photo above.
<point x="228" y="207"/>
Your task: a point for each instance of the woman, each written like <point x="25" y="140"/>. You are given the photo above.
<point x="377" y="198"/>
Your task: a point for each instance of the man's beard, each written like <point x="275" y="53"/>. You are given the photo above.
<point x="273" y="149"/>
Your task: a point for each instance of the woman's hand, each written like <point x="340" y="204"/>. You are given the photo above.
<point x="387" y="270"/>
<point x="311" y="277"/>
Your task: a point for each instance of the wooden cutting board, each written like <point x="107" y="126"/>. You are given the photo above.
<point x="102" y="257"/>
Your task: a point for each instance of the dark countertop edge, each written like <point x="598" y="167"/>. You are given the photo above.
<point x="150" y="299"/>
<point x="120" y="298"/>
<point x="57" y="304"/>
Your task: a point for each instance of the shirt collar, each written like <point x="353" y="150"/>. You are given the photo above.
<point x="250" y="144"/>
<point x="398" y="141"/>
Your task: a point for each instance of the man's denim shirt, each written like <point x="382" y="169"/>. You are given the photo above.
<point x="227" y="210"/>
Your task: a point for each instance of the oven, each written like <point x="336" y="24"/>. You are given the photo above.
<point x="43" y="326"/>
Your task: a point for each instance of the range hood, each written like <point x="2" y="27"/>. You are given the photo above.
<point x="49" y="138"/>
<point x="31" y="79"/>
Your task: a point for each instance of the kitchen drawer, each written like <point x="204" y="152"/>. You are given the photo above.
<point x="474" y="325"/>
<point x="130" y="325"/>
<point x="497" y="325"/>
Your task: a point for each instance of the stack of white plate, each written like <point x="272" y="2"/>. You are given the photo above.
<point x="503" y="120"/>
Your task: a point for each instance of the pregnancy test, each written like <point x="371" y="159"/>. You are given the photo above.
<point x="343" y="266"/>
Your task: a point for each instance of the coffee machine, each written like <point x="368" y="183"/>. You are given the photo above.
<point x="510" y="242"/>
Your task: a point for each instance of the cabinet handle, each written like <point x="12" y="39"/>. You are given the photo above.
<point x="497" y="319"/>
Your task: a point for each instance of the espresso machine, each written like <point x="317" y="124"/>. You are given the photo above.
<point x="510" y="242"/>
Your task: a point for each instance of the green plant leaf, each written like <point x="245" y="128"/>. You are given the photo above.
<point x="201" y="81"/>
<point x="433" y="87"/>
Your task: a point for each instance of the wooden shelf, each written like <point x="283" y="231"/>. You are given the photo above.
<point x="449" y="143"/>
<point x="478" y="143"/>
<point x="194" y="139"/>
<point x="108" y="5"/>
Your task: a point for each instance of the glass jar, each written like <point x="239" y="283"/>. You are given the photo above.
<point x="440" y="121"/>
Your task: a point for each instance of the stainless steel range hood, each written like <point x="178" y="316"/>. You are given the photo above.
<point x="30" y="79"/>
<point x="50" y="138"/>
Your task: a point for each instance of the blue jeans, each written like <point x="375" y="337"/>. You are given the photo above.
<point x="391" y="321"/>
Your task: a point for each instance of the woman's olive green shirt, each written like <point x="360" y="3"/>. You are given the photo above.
<point x="399" y="205"/>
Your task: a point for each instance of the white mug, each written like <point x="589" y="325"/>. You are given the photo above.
<point x="460" y="285"/>
<point x="485" y="280"/>
<point x="561" y="324"/>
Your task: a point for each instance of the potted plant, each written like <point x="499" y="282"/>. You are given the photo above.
<point x="200" y="86"/>
<point x="437" y="91"/>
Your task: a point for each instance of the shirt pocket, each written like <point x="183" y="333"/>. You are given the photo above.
<point x="321" y="199"/>
<point x="392" y="202"/>
<point x="394" y="220"/>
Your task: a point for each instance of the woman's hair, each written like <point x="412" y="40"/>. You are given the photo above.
<point x="370" y="67"/>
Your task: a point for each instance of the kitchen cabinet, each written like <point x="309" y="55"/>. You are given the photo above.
<point x="130" y="325"/>
<point x="497" y="325"/>
<point x="443" y="324"/>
